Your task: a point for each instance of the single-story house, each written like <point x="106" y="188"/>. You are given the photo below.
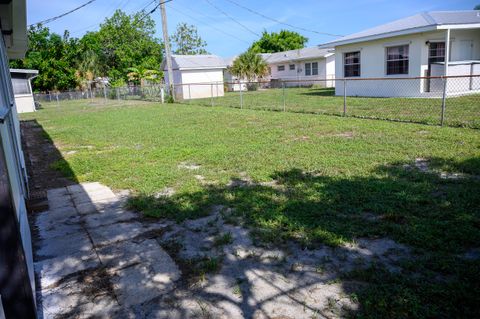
<point x="22" y="89"/>
<point x="232" y="82"/>
<point x="196" y="76"/>
<point x="413" y="47"/>
<point x="302" y="67"/>
<point x="17" y="284"/>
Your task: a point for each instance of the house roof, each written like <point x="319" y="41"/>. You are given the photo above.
<point x="13" y="17"/>
<point x="422" y="22"/>
<point x="195" y="62"/>
<point x="295" y="55"/>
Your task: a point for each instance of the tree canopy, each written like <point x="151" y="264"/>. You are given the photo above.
<point x="477" y="7"/>
<point x="187" y="41"/>
<point x="249" y="65"/>
<point x="122" y="42"/>
<point x="278" y="41"/>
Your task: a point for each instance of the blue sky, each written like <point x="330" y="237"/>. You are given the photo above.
<point x="227" y="38"/>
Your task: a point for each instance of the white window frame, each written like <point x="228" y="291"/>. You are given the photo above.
<point x="308" y="66"/>
<point x="314" y="69"/>
<point x="291" y="67"/>
<point x="396" y="60"/>
<point x="351" y="64"/>
<point x="280" y="68"/>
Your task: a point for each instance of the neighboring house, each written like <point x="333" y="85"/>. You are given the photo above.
<point x="196" y="76"/>
<point x="17" y="285"/>
<point x="303" y="67"/>
<point x="415" y="46"/>
<point x="232" y="82"/>
<point x="22" y="89"/>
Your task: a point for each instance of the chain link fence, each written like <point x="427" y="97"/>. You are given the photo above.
<point x="451" y="101"/>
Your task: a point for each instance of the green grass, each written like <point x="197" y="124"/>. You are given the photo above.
<point x="460" y="111"/>
<point x="330" y="173"/>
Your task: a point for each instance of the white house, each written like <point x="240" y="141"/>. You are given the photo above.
<point x="22" y="89"/>
<point x="302" y="67"/>
<point x="196" y="76"/>
<point x="17" y="285"/>
<point x="415" y="46"/>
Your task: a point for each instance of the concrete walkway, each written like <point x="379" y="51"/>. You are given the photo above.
<point x="94" y="258"/>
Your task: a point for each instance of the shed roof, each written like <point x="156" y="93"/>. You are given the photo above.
<point x="23" y="73"/>
<point x="426" y="21"/>
<point x="195" y="62"/>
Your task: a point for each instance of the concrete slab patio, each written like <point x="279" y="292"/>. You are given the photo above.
<point x="94" y="258"/>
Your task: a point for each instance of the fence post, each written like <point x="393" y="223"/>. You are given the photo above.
<point x="162" y="94"/>
<point x="211" y="93"/>
<point x="189" y="93"/>
<point x="444" y="98"/>
<point x="241" y="94"/>
<point x="116" y="93"/>
<point x="57" y="99"/>
<point x="284" y="97"/>
<point x="105" y="93"/>
<point x="344" y="97"/>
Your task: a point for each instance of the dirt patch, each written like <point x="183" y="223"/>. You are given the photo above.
<point x="226" y="274"/>
<point x="189" y="166"/>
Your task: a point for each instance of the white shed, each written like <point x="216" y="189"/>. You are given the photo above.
<point x="22" y="89"/>
<point x="196" y="76"/>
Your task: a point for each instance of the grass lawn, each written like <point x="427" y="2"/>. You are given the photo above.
<point x="312" y="179"/>
<point x="460" y="111"/>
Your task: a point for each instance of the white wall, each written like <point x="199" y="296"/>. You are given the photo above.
<point x="373" y="63"/>
<point x="211" y="83"/>
<point x="325" y="69"/>
<point x="24" y="103"/>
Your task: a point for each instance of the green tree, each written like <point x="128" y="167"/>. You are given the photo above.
<point x="128" y="41"/>
<point x="141" y="76"/>
<point x="53" y="56"/>
<point x="249" y="65"/>
<point x="277" y="42"/>
<point x="477" y="7"/>
<point x="187" y="41"/>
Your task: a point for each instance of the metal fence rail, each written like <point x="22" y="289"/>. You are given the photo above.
<point x="450" y="101"/>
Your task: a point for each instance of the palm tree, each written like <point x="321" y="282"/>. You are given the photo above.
<point x="140" y="75"/>
<point x="250" y="66"/>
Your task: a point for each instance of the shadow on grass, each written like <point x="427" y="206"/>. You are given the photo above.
<point x="438" y="217"/>
<point x="319" y="92"/>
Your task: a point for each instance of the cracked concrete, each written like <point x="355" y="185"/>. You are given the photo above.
<point x="95" y="258"/>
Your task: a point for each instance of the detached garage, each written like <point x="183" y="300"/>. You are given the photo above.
<point x="196" y="76"/>
<point x="22" y="89"/>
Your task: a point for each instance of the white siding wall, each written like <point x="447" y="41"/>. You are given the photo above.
<point x="325" y="66"/>
<point x="213" y="80"/>
<point x="25" y="103"/>
<point x="373" y="64"/>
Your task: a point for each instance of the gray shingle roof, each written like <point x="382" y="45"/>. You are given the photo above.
<point x="416" y="23"/>
<point x="294" y="55"/>
<point x="192" y="62"/>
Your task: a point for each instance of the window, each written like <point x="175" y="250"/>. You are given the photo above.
<point x="20" y="86"/>
<point x="351" y="64"/>
<point x="436" y="52"/>
<point x="281" y="68"/>
<point x="308" y="69"/>
<point x="397" y="60"/>
<point x="314" y="68"/>
<point x="292" y="66"/>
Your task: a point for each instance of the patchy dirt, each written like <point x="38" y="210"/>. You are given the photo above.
<point x="189" y="166"/>
<point x="226" y="275"/>
<point x="422" y="165"/>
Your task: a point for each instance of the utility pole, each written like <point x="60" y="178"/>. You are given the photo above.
<point x="168" y="53"/>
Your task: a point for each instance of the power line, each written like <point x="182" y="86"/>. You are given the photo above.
<point x="154" y="9"/>
<point x="63" y="14"/>
<point x="233" y="19"/>
<point x="209" y="25"/>
<point x="107" y="13"/>
<point x="280" y="22"/>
